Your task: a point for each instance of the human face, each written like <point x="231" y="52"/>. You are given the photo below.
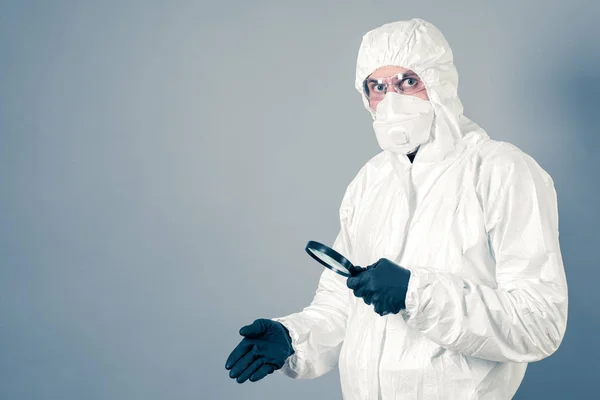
<point x="386" y="78"/>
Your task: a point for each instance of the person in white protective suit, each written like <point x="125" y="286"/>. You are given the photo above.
<point x="463" y="232"/>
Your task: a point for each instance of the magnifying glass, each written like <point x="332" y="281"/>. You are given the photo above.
<point x="331" y="259"/>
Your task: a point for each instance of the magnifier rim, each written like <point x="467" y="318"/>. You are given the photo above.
<point x="312" y="245"/>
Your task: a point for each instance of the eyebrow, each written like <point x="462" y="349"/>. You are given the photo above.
<point x="405" y="75"/>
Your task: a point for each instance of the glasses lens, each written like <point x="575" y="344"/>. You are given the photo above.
<point x="408" y="84"/>
<point x="375" y="89"/>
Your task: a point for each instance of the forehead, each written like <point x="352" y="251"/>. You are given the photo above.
<point x="386" y="71"/>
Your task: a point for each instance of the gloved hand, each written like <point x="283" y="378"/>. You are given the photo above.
<point x="383" y="284"/>
<point x="264" y="349"/>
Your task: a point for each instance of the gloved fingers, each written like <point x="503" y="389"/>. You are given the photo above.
<point x="360" y="292"/>
<point x="364" y="289"/>
<point x="356" y="270"/>
<point x="243" y="363"/>
<point x="354" y="282"/>
<point x="368" y="296"/>
<point x="262" y="372"/>
<point x="251" y="369"/>
<point x="377" y="305"/>
<point x="382" y="308"/>
<point x="255" y="329"/>
<point x="240" y="351"/>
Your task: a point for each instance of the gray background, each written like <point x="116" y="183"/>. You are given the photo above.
<point x="162" y="165"/>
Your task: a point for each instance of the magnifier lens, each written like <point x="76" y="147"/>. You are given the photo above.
<point x="330" y="258"/>
<point x="329" y="261"/>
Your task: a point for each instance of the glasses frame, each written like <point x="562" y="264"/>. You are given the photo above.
<point x="395" y="81"/>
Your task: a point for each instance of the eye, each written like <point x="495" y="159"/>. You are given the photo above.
<point x="377" y="87"/>
<point x="410" y="82"/>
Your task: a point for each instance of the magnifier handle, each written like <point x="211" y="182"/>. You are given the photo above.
<point x="356" y="270"/>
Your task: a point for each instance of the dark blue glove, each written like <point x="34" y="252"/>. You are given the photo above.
<point x="264" y="349"/>
<point x="382" y="284"/>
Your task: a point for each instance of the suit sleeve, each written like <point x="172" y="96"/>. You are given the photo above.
<point x="318" y="331"/>
<point x="523" y="318"/>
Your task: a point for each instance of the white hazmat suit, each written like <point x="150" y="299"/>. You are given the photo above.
<point x="474" y="220"/>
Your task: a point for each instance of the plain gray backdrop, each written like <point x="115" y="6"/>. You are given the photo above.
<point x="163" y="164"/>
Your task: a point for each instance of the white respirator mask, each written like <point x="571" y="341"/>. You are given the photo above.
<point x="402" y="122"/>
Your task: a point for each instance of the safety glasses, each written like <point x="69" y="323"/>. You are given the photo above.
<point x="407" y="83"/>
